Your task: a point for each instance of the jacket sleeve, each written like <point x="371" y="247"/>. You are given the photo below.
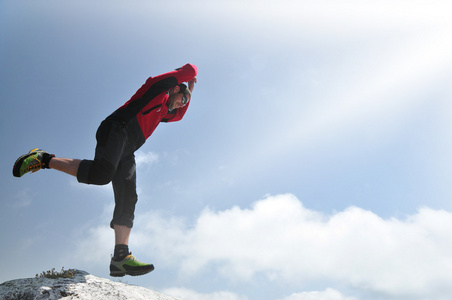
<point x="186" y="73"/>
<point x="162" y="83"/>
<point x="183" y="74"/>
<point x="176" y="115"/>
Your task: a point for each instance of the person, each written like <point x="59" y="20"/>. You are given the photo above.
<point x="163" y="98"/>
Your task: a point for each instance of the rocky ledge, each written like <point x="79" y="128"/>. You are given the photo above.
<point x="81" y="285"/>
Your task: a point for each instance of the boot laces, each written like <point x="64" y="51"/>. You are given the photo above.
<point x="34" y="166"/>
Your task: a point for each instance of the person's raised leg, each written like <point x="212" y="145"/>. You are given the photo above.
<point x="32" y="161"/>
<point x="38" y="159"/>
<point x="66" y="165"/>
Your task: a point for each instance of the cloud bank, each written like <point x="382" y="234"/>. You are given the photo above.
<point x="186" y="294"/>
<point x="328" y="294"/>
<point x="287" y="243"/>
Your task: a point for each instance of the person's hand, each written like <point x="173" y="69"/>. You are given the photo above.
<point x="191" y="84"/>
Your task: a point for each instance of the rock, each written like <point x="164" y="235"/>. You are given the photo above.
<point x="81" y="286"/>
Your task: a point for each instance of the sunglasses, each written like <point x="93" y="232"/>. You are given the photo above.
<point x="184" y="99"/>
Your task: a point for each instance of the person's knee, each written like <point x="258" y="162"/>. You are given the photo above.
<point x="99" y="172"/>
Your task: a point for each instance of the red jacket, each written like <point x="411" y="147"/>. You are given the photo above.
<point x="149" y="104"/>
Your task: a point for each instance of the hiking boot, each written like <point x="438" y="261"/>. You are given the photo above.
<point x="33" y="161"/>
<point x="129" y="266"/>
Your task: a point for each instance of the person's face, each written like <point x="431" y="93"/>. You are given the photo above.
<point x="176" y="99"/>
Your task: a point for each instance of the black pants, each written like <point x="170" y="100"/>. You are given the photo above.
<point x="114" y="162"/>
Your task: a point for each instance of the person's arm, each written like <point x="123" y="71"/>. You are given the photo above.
<point x="187" y="73"/>
<point x="160" y="83"/>
<point x="179" y="113"/>
<point x="191" y="84"/>
<point x="183" y="74"/>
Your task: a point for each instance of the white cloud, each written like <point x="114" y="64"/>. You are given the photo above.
<point x="188" y="294"/>
<point x="328" y="294"/>
<point x="146" y="159"/>
<point x="100" y="241"/>
<point x="289" y="243"/>
<point x="96" y="240"/>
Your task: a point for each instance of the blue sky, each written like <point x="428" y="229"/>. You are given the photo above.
<point x="313" y="162"/>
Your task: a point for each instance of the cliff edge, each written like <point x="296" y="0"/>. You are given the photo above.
<point x="81" y="285"/>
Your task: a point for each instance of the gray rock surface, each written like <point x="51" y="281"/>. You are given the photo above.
<point x="81" y="286"/>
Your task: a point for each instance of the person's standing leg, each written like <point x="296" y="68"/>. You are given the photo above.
<point x="122" y="234"/>
<point x="124" y="187"/>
